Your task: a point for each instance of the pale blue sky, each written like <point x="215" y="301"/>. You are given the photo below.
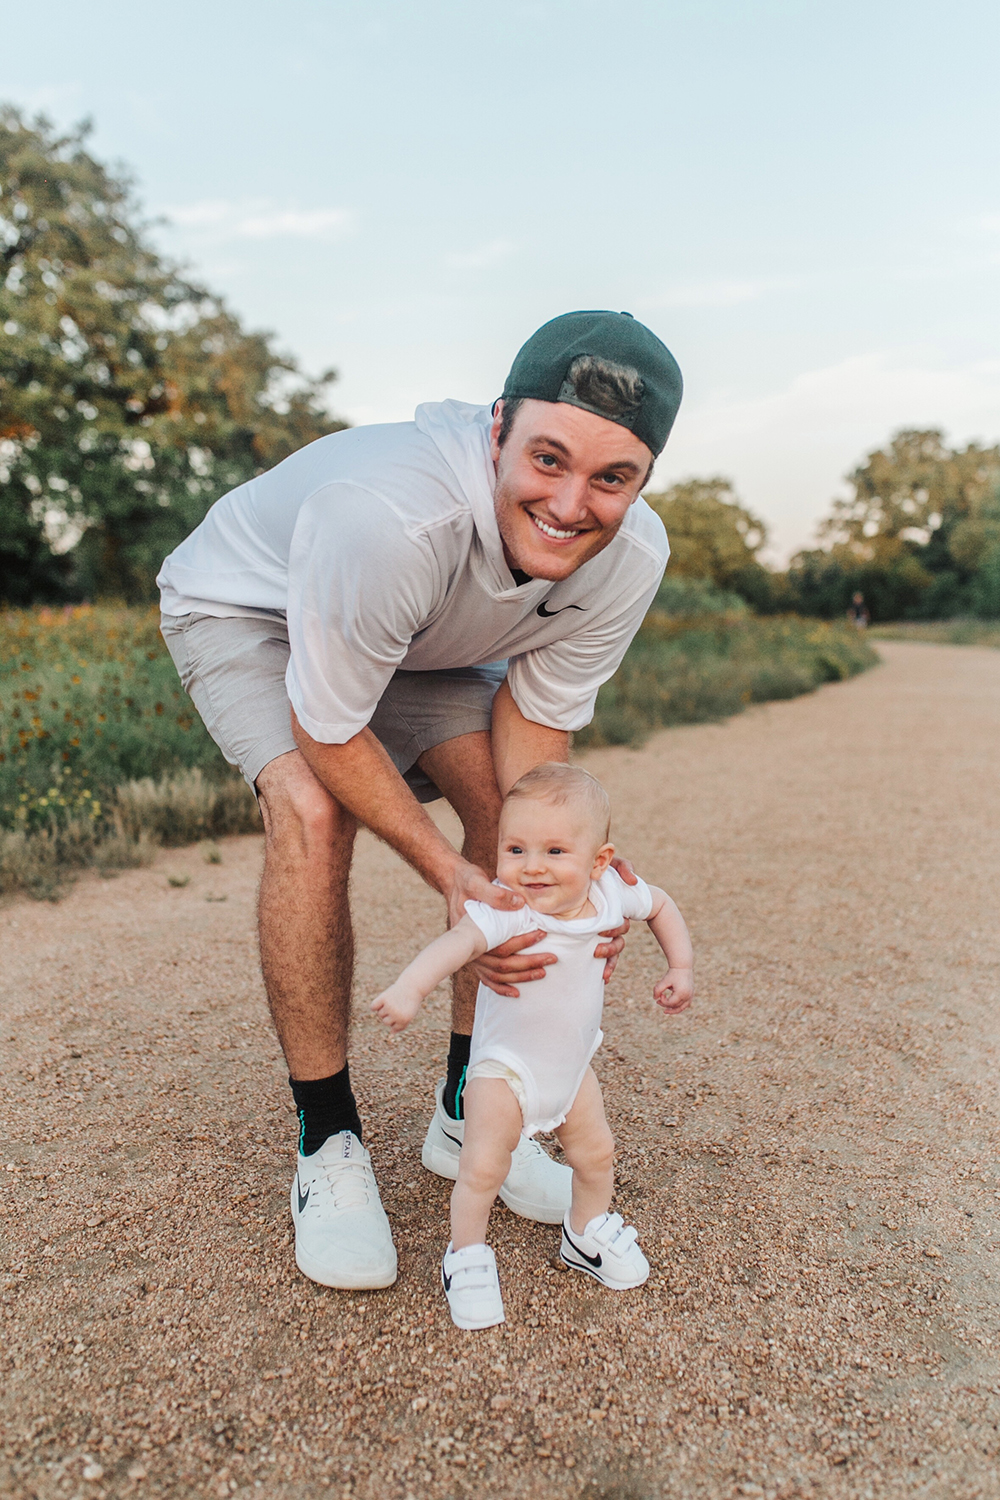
<point x="802" y="199"/>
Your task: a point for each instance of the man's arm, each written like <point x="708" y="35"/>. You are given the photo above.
<point x="519" y="744"/>
<point x="361" y="776"/>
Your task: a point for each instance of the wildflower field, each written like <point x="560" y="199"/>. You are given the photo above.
<point x="103" y="757"/>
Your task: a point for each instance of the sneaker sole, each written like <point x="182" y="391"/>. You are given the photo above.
<point x="612" y="1286"/>
<point x="345" y="1281"/>
<point x="444" y="1163"/>
<point x="540" y="1213"/>
<point x="439" y="1161"/>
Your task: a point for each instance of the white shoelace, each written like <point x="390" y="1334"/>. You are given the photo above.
<point x="350" y="1183"/>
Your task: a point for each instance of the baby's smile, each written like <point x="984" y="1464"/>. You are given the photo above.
<point x="548" y="853"/>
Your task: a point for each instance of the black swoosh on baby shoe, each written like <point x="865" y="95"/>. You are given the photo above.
<point x="593" y="1260"/>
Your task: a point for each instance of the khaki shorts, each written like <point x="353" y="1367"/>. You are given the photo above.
<point x="234" y="671"/>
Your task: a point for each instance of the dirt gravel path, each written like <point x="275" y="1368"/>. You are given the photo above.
<point x="810" y="1156"/>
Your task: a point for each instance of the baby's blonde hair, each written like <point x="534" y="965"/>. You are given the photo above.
<point x="552" y="781"/>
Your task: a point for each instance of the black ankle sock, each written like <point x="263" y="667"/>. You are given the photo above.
<point x="458" y="1062"/>
<point x="325" y="1107"/>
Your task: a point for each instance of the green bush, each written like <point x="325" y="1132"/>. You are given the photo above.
<point x="103" y="758"/>
<point x="689" y="669"/>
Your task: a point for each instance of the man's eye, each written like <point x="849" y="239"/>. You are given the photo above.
<point x="612" y="479"/>
<point x="548" y="459"/>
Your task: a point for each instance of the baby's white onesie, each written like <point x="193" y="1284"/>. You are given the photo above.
<point x="549" y="1034"/>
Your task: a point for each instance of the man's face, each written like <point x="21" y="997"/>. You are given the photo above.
<point x="565" y="481"/>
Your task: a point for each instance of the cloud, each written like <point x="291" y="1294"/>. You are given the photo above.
<point x="260" y="219"/>
<point x="787" y="451"/>
<point x="482" y="257"/>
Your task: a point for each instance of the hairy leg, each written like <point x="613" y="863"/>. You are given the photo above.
<point x="492" y="1130"/>
<point x="306" y="941"/>
<point x="463" y="769"/>
<point x="590" y="1151"/>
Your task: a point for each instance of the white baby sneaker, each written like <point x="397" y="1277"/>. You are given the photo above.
<point x="536" y="1187"/>
<point x="606" y="1250"/>
<point x="472" y="1286"/>
<point x="342" y="1236"/>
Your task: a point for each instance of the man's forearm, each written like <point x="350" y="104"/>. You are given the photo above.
<point x="363" y="779"/>
<point x="519" y="743"/>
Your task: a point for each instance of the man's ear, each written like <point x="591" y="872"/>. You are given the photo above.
<point x="602" y="859"/>
<point x="495" y="430"/>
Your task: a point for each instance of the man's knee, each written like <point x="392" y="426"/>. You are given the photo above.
<point x="301" y="818"/>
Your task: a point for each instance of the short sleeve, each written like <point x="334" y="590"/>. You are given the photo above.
<point x="498" y="926"/>
<point x="556" y="685"/>
<point x="359" y="588"/>
<point x="636" y="900"/>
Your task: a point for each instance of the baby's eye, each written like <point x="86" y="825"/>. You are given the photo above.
<point x="557" y="851"/>
<point x="514" y="849"/>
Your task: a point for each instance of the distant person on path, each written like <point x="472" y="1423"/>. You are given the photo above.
<point x="404" y="612"/>
<point x="857" y="612"/>
<point x="530" y="1062"/>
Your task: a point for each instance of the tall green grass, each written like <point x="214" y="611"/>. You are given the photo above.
<point x="103" y="758"/>
<point x="701" y="655"/>
<point x="941" y="632"/>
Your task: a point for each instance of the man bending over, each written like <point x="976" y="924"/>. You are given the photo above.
<point x="400" y="613"/>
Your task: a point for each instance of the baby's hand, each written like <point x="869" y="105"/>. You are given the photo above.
<point x="397" y="1006"/>
<point x="675" y="991"/>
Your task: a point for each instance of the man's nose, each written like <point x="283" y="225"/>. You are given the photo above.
<point x="568" y="501"/>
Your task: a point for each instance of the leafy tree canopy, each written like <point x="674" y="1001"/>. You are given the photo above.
<point x="711" y="534"/>
<point x="919" y="535"/>
<point x="130" y="396"/>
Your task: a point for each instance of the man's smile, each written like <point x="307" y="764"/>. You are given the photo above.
<point x="555" y="533"/>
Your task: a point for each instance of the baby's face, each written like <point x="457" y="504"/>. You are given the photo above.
<point x="549" y="853"/>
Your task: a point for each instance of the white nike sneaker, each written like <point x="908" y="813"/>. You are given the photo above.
<point x="472" y="1286"/>
<point x="606" y="1250"/>
<point x="536" y="1187"/>
<point x="342" y="1236"/>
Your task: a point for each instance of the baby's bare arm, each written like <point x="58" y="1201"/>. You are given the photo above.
<point x="397" y="1005"/>
<point x="675" y="990"/>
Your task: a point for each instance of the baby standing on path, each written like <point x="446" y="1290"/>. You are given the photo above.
<point x="529" y="1066"/>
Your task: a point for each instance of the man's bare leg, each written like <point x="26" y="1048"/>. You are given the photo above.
<point x="342" y="1235"/>
<point x="306" y="940"/>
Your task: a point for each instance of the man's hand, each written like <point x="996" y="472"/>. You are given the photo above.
<point x="675" y="991"/>
<point x="469" y="883"/>
<point x="502" y="967"/>
<point x="397" y="1005"/>
<point x="612" y="950"/>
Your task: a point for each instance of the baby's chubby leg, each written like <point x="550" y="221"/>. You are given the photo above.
<point x="492" y="1130"/>
<point x="590" y="1150"/>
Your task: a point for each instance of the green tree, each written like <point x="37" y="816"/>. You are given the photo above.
<point x="919" y="535"/>
<point x="130" y="396"/>
<point x="713" y="536"/>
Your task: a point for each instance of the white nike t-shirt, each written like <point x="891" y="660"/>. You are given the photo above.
<point x="381" y="546"/>
<point x="548" y="1035"/>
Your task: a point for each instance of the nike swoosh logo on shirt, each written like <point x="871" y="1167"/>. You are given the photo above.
<point x="593" y="1260"/>
<point x="303" y="1196"/>
<point x="547" y="614"/>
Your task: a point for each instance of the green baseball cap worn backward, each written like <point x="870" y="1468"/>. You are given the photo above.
<point x="540" y="371"/>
